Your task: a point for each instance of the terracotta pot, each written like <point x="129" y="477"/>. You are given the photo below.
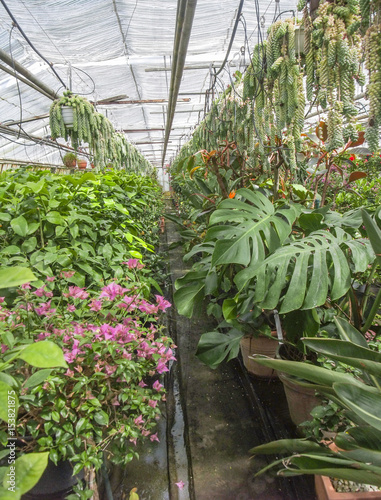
<point x="258" y="345"/>
<point x="82" y="164"/>
<point x="301" y="400"/>
<point x="325" y="491"/>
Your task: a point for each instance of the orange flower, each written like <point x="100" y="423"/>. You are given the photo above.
<point x="231" y="194"/>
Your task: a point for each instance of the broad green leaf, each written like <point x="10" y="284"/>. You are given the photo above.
<point x="301" y="274"/>
<point x="374" y="234"/>
<point x="229" y="309"/>
<point x="55" y="218"/>
<point x="362" y="400"/>
<point x="349" y="332"/>
<point x="28" y="469"/>
<point x="6" y="494"/>
<point x="5" y="217"/>
<point x="348" y="353"/>
<point x="29" y="245"/>
<point x="44" y="354"/>
<point x="15" y="276"/>
<point x="33" y="226"/>
<point x="316" y="374"/>
<point x="9" y="380"/>
<point x="190" y="294"/>
<point x="36" y="187"/>
<point x="257" y="226"/>
<point x="8" y="402"/>
<point x="288" y="446"/>
<point x="81" y="424"/>
<point x="214" y="347"/>
<point x="60" y="230"/>
<point x="38" y="377"/>
<point x="11" y="250"/>
<point x="20" y="226"/>
<point x="107" y="251"/>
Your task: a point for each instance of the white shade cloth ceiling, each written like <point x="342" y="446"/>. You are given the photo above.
<point x="107" y="48"/>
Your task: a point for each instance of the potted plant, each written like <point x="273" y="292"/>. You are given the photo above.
<point x="70" y="160"/>
<point x="268" y="257"/>
<point x="82" y="163"/>
<point x="356" y="391"/>
<point x="108" y="397"/>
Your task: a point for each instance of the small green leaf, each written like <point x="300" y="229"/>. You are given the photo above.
<point x="29" y="245"/>
<point x="38" y="377"/>
<point x="55" y="218"/>
<point x="101" y="418"/>
<point x="20" y="226"/>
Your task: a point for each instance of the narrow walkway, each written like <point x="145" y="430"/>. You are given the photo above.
<point x="213" y="419"/>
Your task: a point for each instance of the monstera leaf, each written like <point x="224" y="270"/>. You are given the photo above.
<point x="250" y="225"/>
<point x="301" y="274"/>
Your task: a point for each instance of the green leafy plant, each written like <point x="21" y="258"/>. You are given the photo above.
<point x="285" y="258"/>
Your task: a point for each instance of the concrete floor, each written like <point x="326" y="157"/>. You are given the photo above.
<point x="212" y="419"/>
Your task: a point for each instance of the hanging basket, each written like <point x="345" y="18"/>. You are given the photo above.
<point x="67" y="116"/>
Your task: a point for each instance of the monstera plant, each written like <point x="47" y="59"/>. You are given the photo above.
<point x="257" y="257"/>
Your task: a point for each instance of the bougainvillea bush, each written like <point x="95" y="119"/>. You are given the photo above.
<point x="109" y="397"/>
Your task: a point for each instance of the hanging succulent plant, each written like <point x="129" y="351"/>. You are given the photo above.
<point x="332" y="51"/>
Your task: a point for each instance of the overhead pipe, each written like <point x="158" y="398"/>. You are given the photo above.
<point x="23" y="71"/>
<point x="184" y="21"/>
<point x="24" y="80"/>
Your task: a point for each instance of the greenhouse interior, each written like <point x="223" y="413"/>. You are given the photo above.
<point x="190" y="250"/>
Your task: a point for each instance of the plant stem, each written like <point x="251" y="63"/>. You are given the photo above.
<point x="367" y="288"/>
<point x="372" y="313"/>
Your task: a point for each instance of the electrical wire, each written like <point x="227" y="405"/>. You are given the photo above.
<point x="17" y="80"/>
<point x="29" y="42"/>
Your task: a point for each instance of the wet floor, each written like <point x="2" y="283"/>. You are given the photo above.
<point x="211" y="420"/>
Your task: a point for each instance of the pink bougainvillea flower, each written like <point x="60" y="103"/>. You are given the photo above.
<point x="4" y="348"/>
<point x="39" y="292"/>
<point x="134" y="263"/>
<point x="69" y="373"/>
<point x="148" y="308"/>
<point x="68" y="274"/>
<point x="161" y="367"/>
<point x="112" y="291"/>
<point x="77" y="293"/>
<point x="157" y="385"/>
<point x="50" y="278"/>
<point x="142" y="384"/>
<point x="162" y="303"/>
<point x="115" y="401"/>
<point x="153" y="437"/>
<point x="152" y="403"/>
<point x="180" y="485"/>
<point x="139" y="420"/>
<point x="26" y="286"/>
<point x="95" y="305"/>
<point x="45" y="309"/>
<point x="71" y="308"/>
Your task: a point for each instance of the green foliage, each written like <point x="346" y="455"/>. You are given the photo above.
<point x="89" y="223"/>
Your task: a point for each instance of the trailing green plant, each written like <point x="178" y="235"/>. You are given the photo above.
<point x="332" y="52"/>
<point x="97" y="131"/>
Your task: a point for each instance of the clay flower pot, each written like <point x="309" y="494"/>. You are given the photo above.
<point x="258" y="345"/>
<point x="325" y="491"/>
<point x="82" y="164"/>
